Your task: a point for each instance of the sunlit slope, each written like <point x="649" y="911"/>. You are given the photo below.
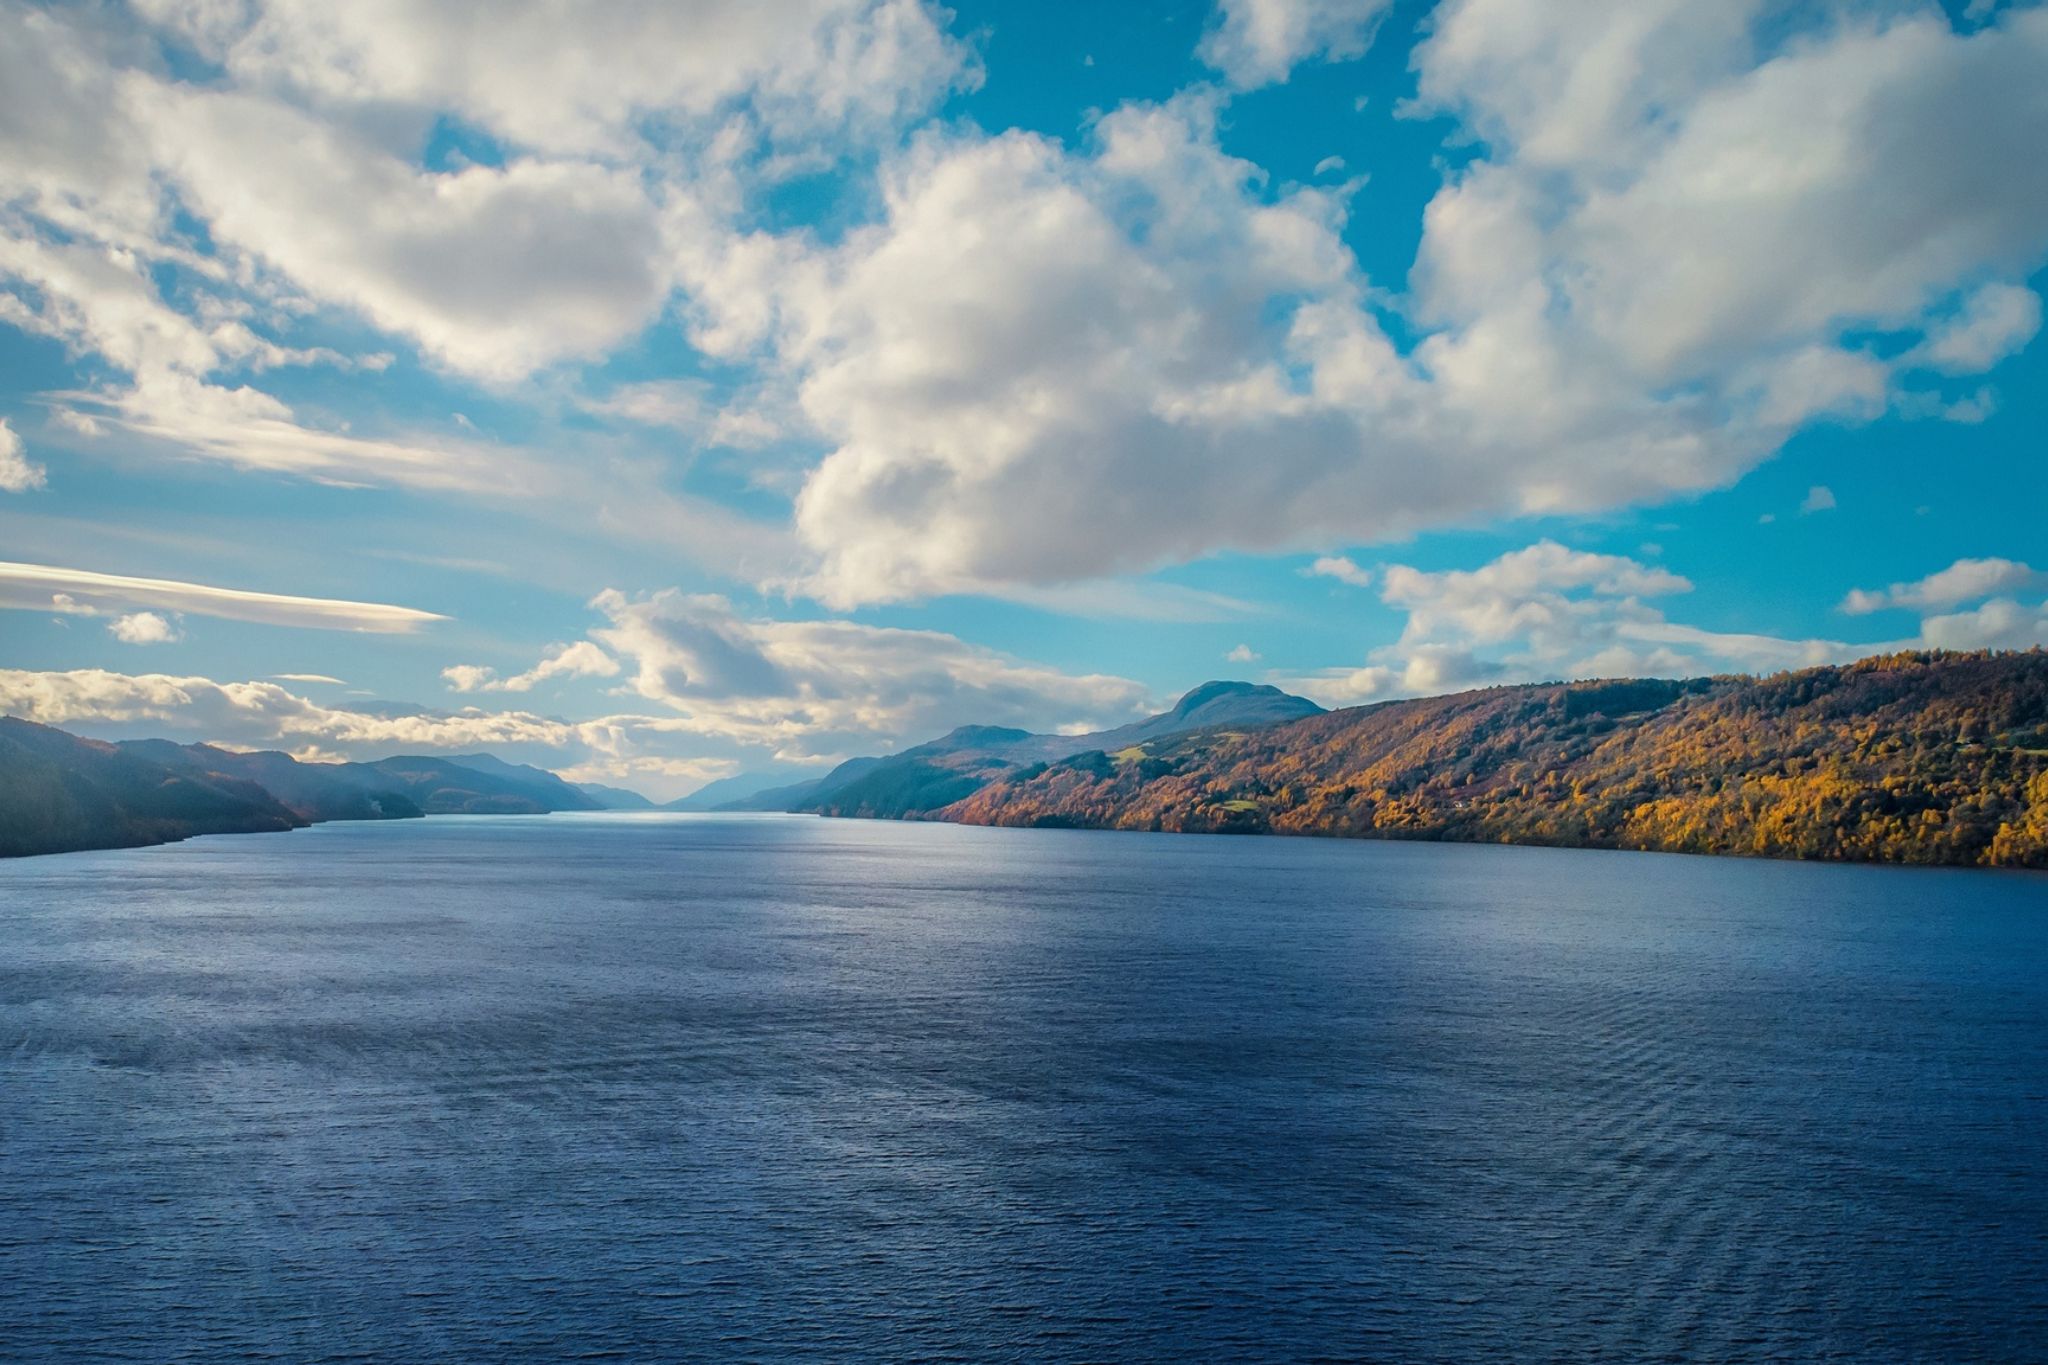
<point x="1911" y="758"/>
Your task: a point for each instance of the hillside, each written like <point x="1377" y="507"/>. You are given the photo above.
<point x="60" y="793"/>
<point x="314" y="792"/>
<point x="781" y="785"/>
<point x="1912" y="758"/>
<point x="614" y="798"/>
<point x="942" y="771"/>
<point x="475" y="784"/>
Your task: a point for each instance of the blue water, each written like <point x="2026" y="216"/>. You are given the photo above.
<point x="784" y="1088"/>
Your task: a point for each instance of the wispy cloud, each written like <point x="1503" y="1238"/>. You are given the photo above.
<point x="17" y="474"/>
<point x="44" y="587"/>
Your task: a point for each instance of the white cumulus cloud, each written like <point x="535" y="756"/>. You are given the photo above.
<point x="1966" y="580"/>
<point x="1547" y="612"/>
<point x="1259" y="42"/>
<point x="1341" y="568"/>
<point x="581" y="659"/>
<point x="144" y="628"/>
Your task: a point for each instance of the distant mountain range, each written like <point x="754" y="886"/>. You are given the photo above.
<point x="1911" y="758"/>
<point x="59" y="792"/>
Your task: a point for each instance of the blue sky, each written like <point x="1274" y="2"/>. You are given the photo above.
<point x="676" y="390"/>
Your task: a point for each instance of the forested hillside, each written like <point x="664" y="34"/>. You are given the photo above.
<point x="59" y="793"/>
<point x="1908" y="758"/>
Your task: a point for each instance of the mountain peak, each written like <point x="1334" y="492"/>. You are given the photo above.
<point x="1229" y="700"/>
<point x="977" y="736"/>
<point x="1217" y="688"/>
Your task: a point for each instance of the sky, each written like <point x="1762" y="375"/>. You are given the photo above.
<point x="663" y="391"/>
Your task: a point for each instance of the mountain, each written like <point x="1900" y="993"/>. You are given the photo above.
<point x="614" y="798"/>
<point x="543" y="787"/>
<point x="929" y="775"/>
<point x="1239" y="704"/>
<point x="1910" y="758"/>
<point x="735" y="792"/>
<point x="315" y="792"/>
<point x="60" y="793"/>
<point x="477" y="784"/>
<point x="408" y="785"/>
<point x="940" y="772"/>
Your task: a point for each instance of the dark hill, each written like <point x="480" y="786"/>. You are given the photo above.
<point x="545" y="789"/>
<point x="313" y="791"/>
<point x="443" y="786"/>
<point x="60" y="793"/>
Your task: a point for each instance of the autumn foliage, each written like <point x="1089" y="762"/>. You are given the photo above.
<point x="1906" y="758"/>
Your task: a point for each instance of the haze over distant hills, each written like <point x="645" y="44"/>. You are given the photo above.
<point x="1919" y="757"/>
<point x="67" y="793"/>
<point x="937" y="773"/>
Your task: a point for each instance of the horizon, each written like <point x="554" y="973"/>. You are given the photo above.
<point x="704" y="410"/>
<point x="768" y="777"/>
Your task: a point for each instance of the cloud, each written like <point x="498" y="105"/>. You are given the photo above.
<point x="1243" y="654"/>
<point x="247" y="715"/>
<point x="2001" y="623"/>
<point x="17" y="475"/>
<point x="1992" y="323"/>
<point x="144" y="628"/>
<point x="811" y="688"/>
<point x="1044" y="365"/>
<point x="1340" y="568"/>
<point x="1819" y="498"/>
<point x="1674" y="235"/>
<point x="597" y="82"/>
<point x="165" y="225"/>
<point x="309" y="678"/>
<point x="579" y="660"/>
<point x="493" y="270"/>
<point x="248" y="428"/>
<point x="1028" y="387"/>
<point x="1547" y="612"/>
<point x="688" y="406"/>
<point x="253" y="712"/>
<point x="1966" y="580"/>
<point x="40" y="587"/>
<point x="1712" y="201"/>
<point x="729" y="687"/>
<point x="1258" y="42"/>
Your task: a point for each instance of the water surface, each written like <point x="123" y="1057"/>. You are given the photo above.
<point x="788" y="1088"/>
